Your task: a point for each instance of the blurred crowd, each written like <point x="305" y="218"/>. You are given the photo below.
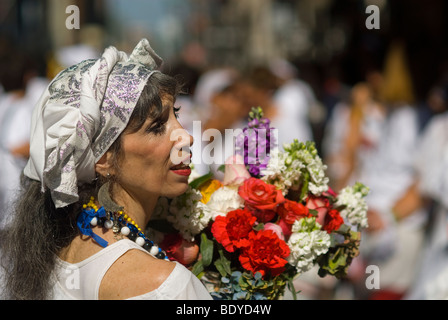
<point x="374" y="132"/>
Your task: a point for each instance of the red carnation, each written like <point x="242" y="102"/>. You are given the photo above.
<point x="232" y="230"/>
<point x="333" y="221"/>
<point x="265" y="253"/>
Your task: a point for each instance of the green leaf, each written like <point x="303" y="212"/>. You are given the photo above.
<point x="333" y="241"/>
<point x="196" y="183"/>
<point x="220" y="267"/>
<point x="206" y="250"/>
<point x="344" y="228"/>
<point x="258" y="227"/>
<point x="222" y="168"/>
<point x="198" y="267"/>
<point x="223" y="265"/>
<point x="306" y="181"/>
<point x="292" y="289"/>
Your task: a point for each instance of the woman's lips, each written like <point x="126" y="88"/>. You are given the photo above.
<point x="181" y="169"/>
<point x="182" y="172"/>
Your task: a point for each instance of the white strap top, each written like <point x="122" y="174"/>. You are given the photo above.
<point x="81" y="281"/>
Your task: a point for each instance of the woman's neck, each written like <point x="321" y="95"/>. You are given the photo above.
<point x="137" y="207"/>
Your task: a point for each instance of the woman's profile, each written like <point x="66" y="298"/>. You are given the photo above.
<point x="105" y="145"/>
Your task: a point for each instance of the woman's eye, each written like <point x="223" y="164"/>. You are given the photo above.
<point x="176" y="111"/>
<point x="156" y="128"/>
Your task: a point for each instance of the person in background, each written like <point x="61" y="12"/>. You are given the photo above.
<point x="17" y="77"/>
<point x="429" y="190"/>
<point x="393" y="243"/>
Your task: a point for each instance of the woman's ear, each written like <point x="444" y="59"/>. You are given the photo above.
<point x="104" y="166"/>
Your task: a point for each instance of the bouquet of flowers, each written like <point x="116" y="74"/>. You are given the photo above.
<point x="272" y="218"/>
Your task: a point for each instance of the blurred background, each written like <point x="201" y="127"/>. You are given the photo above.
<point x="318" y="72"/>
<point x="326" y="41"/>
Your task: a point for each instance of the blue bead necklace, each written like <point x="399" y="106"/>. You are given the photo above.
<point x="119" y="222"/>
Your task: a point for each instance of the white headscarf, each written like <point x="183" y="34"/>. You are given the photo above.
<point x="81" y="113"/>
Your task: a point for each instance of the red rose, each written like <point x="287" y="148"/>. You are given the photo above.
<point x="264" y="215"/>
<point x="321" y="205"/>
<point x="291" y="211"/>
<point x="259" y="195"/>
<point x="265" y="253"/>
<point x="286" y="228"/>
<point x="333" y="221"/>
<point x="232" y="230"/>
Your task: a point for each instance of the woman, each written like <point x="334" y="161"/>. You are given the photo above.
<point x="105" y="144"/>
<point x="432" y="184"/>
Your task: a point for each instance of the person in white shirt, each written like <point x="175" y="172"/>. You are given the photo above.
<point x="394" y="243"/>
<point x="431" y="186"/>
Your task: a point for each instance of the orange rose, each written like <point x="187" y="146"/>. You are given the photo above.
<point x="257" y="194"/>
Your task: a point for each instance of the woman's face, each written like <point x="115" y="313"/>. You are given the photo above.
<point x="156" y="157"/>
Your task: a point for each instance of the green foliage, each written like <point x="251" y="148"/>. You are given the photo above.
<point x="340" y="255"/>
<point x="223" y="264"/>
<point x="196" y="183"/>
<point x="256" y="113"/>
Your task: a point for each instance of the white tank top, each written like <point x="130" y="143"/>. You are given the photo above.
<point x="81" y="281"/>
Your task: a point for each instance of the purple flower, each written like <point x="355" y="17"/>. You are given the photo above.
<point x="254" y="143"/>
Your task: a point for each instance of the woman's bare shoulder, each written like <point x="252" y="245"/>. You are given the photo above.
<point x="133" y="274"/>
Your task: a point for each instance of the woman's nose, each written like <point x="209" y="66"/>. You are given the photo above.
<point x="184" y="139"/>
<point x="183" y="142"/>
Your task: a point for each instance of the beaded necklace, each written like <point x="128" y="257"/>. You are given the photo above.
<point x="119" y="222"/>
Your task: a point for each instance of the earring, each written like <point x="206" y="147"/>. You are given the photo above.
<point x="106" y="201"/>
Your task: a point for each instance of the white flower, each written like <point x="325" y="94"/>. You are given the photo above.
<point x="223" y="200"/>
<point x="318" y="181"/>
<point x="282" y="171"/>
<point x="306" y="243"/>
<point x="188" y="214"/>
<point x="299" y="162"/>
<point x="316" y="169"/>
<point x="355" y="206"/>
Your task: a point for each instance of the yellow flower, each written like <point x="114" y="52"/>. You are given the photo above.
<point x="208" y="188"/>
